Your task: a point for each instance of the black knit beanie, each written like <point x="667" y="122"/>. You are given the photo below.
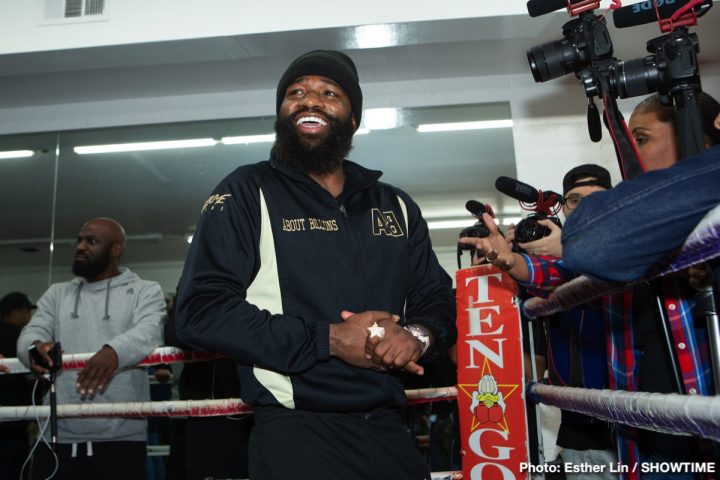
<point x="331" y="64"/>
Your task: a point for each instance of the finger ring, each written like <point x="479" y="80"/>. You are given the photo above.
<point x="376" y="331"/>
<point x="487" y="259"/>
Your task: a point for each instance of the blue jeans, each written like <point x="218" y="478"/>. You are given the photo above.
<point x="620" y="233"/>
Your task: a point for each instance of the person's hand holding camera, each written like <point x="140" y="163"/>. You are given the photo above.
<point x="496" y="250"/>
<point x="549" y="245"/>
<point x="41" y="361"/>
<point x="491" y="249"/>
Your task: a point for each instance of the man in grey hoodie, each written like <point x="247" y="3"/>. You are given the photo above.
<point x="111" y="311"/>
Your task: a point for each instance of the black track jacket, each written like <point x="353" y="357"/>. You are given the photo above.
<point x="275" y="258"/>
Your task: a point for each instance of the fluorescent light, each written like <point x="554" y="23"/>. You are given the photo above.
<point x="464" y="222"/>
<point x="511" y="220"/>
<point x="134" y="147"/>
<point x="362" y="131"/>
<point x="450" y="127"/>
<point x="245" y="139"/>
<point x="381" y="118"/>
<point x="16" y="154"/>
<point x="444" y="224"/>
<point x="375" y="36"/>
<point x="189" y="238"/>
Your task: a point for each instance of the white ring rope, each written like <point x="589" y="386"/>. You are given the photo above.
<point x="701" y="245"/>
<point x="159" y="356"/>
<point x="426" y="395"/>
<point x="174" y="408"/>
<point x="662" y="412"/>
<point x="179" y="408"/>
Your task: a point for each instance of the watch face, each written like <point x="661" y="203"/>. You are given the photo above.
<point x="420" y="335"/>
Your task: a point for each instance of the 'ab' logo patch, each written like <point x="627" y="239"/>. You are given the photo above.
<point x="385" y="223"/>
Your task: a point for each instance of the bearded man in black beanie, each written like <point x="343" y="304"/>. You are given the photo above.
<point x="321" y="282"/>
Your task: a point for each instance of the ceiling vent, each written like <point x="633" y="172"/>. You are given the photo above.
<point x="72" y="11"/>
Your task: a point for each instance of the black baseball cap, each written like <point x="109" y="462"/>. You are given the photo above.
<point x="14" y="300"/>
<point x="573" y="177"/>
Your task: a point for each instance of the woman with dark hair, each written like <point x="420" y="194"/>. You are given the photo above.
<point x="619" y="234"/>
<point x="652" y="125"/>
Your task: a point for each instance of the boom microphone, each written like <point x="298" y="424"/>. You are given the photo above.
<point x="540" y="7"/>
<point x="644" y="12"/>
<point x="517" y="190"/>
<point x="475" y="207"/>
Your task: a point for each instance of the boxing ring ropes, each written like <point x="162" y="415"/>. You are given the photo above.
<point x="667" y="413"/>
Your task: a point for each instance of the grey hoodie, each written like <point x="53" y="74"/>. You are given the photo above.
<point x="124" y="312"/>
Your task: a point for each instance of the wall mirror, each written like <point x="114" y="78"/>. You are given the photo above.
<point x="443" y="156"/>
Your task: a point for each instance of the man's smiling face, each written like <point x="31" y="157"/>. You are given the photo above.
<point x="315" y="125"/>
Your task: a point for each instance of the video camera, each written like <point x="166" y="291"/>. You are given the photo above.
<point x="545" y="205"/>
<point x="586" y="50"/>
<point x="55" y="354"/>
<point x="478" y="230"/>
<point x="586" y="39"/>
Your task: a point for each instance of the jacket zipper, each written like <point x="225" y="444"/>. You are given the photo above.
<point x="363" y="288"/>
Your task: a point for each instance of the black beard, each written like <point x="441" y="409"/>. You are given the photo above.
<point x="91" y="268"/>
<point x="319" y="156"/>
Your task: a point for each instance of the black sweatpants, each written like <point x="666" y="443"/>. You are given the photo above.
<point x="327" y="446"/>
<point x="101" y="460"/>
<point x="217" y="447"/>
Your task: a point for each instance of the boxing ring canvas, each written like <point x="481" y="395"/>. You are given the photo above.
<point x="490" y="390"/>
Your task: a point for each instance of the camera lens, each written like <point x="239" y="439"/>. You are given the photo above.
<point x="554" y="59"/>
<point x="637" y="77"/>
<point x="479" y="230"/>
<point x="527" y="230"/>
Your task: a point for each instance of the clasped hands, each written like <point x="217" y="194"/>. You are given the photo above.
<point x="396" y="349"/>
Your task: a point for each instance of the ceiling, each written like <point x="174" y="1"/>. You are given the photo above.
<point x="157" y="195"/>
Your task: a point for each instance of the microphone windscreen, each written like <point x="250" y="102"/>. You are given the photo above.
<point x="475" y="207"/>
<point x="644" y="12"/>
<point x="536" y="8"/>
<point x="517" y="190"/>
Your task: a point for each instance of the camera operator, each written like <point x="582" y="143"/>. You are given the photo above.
<point x="576" y="350"/>
<point x="637" y="357"/>
<point x="620" y="234"/>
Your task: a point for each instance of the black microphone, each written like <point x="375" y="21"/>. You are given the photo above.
<point x="540" y="7"/>
<point x="475" y="207"/>
<point x="517" y="190"/>
<point x="644" y="12"/>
